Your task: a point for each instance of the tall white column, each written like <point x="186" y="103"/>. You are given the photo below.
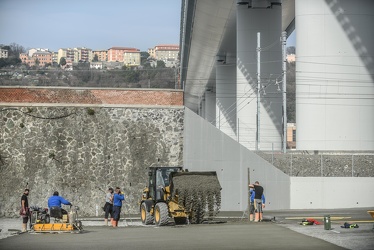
<point x="210" y="106"/>
<point x="335" y="75"/>
<point x="267" y="21"/>
<point x="226" y="98"/>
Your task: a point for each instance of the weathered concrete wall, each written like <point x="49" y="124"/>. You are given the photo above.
<point x="81" y="151"/>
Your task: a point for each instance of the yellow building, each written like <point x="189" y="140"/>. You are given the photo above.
<point x="69" y="54"/>
<point x="84" y="54"/>
<point x="131" y="58"/>
<point x="164" y="52"/>
<point x="3" y="53"/>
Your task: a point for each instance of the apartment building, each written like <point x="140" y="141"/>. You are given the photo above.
<point x="43" y="57"/>
<point x="164" y="52"/>
<point x="131" y="58"/>
<point x="291" y="135"/>
<point x="69" y="54"/>
<point x="152" y="53"/>
<point x="291" y="58"/>
<point x="25" y="59"/>
<point x="84" y="54"/>
<point x="102" y="55"/>
<point x="3" y="53"/>
<point x="32" y="51"/>
<point x="116" y="54"/>
<point x="55" y="57"/>
<point x="40" y="58"/>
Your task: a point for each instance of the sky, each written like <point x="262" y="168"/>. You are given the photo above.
<point x="95" y="24"/>
<point x="291" y="40"/>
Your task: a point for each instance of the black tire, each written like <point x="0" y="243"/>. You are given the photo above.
<point x="180" y="220"/>
<point x="146" y="216"/>
<point x="161" y="214"/>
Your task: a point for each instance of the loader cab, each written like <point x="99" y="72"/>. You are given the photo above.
<point x="159" y="179"/>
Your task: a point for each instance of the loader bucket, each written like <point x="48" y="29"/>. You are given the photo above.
<point x="198" y="192"/>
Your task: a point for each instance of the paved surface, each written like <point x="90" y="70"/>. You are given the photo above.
<point x="284" y="233"/>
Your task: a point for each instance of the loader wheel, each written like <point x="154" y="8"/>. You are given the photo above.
<point x="161" y="214"/>
<point x="147" y="218"/>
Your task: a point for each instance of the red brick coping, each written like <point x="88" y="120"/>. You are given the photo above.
<point x="39" y="95"/>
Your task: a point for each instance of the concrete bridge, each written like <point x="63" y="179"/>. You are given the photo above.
<point x="230" y="97"/>
<point x="334" y="70"/>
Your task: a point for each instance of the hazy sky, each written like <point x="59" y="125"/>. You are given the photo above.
<point x="96" y="24"/>
<point x="291" y="40"/>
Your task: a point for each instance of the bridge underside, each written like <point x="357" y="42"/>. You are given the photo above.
<point x="210" y="31"/>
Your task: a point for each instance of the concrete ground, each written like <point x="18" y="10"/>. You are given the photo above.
<point x="235" y="233"/>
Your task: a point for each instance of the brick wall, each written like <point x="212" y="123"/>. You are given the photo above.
<point x="39" y="95"/>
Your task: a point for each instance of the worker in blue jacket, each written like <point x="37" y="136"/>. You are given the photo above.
<point x="55" y="201"/>
<point x="118" y="197"/>
<point x="252" y="205"/>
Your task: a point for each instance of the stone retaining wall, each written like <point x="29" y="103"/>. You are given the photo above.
<point x="80" y="152"/>
<point x="333" y="164"/>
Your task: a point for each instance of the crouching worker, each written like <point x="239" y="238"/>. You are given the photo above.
<point x="55" y="201"/>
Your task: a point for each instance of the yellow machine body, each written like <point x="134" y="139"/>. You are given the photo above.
<point x="165" y="197"/>
<point x="53" y="227"/>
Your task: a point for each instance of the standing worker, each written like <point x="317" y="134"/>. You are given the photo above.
<point x="109" y="206"/>
<point x="252" y="205"/>
<point x="118" y="197"/>
<point x="25" y="212"/>
<point x="259" y="191"/>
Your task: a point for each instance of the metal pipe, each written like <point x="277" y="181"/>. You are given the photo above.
<point x="284" y="88"/>
<point x="258" y="88"/>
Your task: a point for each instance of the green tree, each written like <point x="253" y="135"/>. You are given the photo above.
<point x="147" y="65"/>
<point x="291" y="50"/>
<point x="95" y="58"/>
<point x="62" y="61"/>
<point x="14" y="50"/>
<point x="5" y="62"/>
<point x="143" y="57"/>
<point x="160" y="64"/>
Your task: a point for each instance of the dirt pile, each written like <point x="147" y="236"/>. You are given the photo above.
<point x="199" y="194"/>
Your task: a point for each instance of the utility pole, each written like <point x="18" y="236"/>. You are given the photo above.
<point x="258" y="90"/>
<point x="284" y="88"/>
